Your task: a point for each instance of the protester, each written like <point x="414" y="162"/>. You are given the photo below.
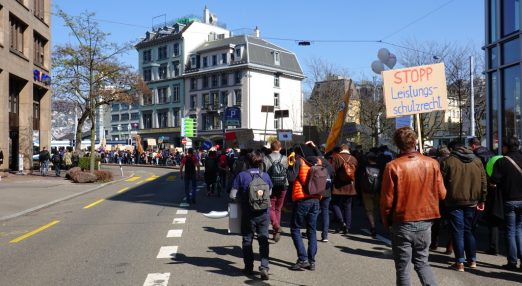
<point x="371" y="188"/>
<point x="67" y="158"/>
<point x="57" y="162"/>
<point x="343" y="188"/>
<point x="44" y="158"/>
<point x="276" y="166"/>
<point x="211" y="172"/>
<point x="189" y="164"/>
<point x="223" y="168"/>
<point x="411" y="189"/>
<point x="254" y="217"/>
<point x="465" y="182"/>
<point x="442" y="153"/>
<point x="507" y="174"/>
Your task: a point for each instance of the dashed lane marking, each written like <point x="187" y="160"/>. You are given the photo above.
<point x="123" y="190"/>
<point x="182" y="212"/>
<point x="151" y="178"/>
<point x="132" y="179"/>
<point x="167" y="252"/>
<point x="139" y="182"/>
<point x="93" y="204"/>
<point x="175" y="233"/>
<point x="157" y="279"/>
<point x="29" y="234"/>
<point x="171" y="178"/>
<point x="179" y="220"/>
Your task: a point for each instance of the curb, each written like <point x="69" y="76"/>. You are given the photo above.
<point x="141" y="165"/>
<point x="19" y="214"/>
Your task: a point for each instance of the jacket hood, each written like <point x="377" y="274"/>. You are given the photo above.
<point x="463" y="154"/>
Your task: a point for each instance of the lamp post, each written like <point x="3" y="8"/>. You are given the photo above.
<point x="266" y="109"/>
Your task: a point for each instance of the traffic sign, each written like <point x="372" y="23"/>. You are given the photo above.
<point x="207" y="145"/>
<point x="184" y="141"/>
<point x="189" y="127"/>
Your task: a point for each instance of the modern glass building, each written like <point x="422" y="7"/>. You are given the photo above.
<point x="503" y="70"/>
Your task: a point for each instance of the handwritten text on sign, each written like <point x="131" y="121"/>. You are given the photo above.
<point x="415" y="90"/>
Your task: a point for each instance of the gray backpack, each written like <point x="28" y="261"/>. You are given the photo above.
<point x="258" y="193"/>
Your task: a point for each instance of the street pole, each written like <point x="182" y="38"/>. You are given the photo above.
<point x="472" y="98"/>
<point x="266" y="123"/>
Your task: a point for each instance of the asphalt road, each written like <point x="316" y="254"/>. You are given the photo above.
<point x="140" y="232"/>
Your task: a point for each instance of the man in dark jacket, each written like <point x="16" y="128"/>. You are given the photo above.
<point x="465" y="181"/>
<point x="44" y="157"/>
<point x="343" y="189"/>
<point x="508" y="177"/>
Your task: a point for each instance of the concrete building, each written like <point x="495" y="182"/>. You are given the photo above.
<point x="25" y="53"/>
<point x="163" y="54"/>
<point x="247" y="72"/>
<point x="122" y="120"/>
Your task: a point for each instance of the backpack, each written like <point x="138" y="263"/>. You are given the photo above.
<point x="347" y="172"/>
<point x="258" y="193"/>
<point x="56" y="159"/>
<point x="317" y="179"/>
<point x="372" y="180"/>
<point x="211" y="165"/>
<point x="239" y="166"/>
<point x="190" y="167"/>
<point x="277" y="173"/>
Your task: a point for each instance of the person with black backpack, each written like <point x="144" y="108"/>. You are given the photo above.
<point x="57" y="162"/>
<point x="371" y="188"/>
<point x="211" y="171"/>
<point x="276" y="165"/>
<point x="189" y="164"/>
<point x="253" y="187"/>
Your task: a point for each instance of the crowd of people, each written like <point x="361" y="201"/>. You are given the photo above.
<point x="412" y="195"/>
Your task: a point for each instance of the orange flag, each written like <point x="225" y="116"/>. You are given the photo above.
<point x="339" y="121"/>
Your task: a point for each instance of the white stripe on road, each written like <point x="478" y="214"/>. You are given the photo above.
<point x="184" y="205"/>
<point x="182" y="212"/>
<point x="179" y="220"/>
<point x="157" y="279"/>
<point x="175" y="233"/>
<point x="167" y="252"/>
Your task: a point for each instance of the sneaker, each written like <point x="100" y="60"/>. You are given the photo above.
<point x="324" y="240"/>
<point x="277" y="236"/>
<point x="510" y="266"/>
<point x="458" y="266"/>
<point x="311" y="267"/>
<point x="472" y="264"/>
<point x="300" y="265"/>
<point x="264" y="273"/>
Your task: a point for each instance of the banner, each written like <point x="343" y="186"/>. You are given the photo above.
<point x="415" y="90"/>
<point x="339" y="120"/>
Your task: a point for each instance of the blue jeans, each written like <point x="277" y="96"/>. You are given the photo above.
<point x="44" y="168"/>
<point x="412" y="245"/>
<point x="513" y="219"/>
<point x="257" y="223"/>
<point x="304" y="214"/>
<point x="188" y="180"/>
<point x="57" y="169"/>
<point x="462" y="228"/>
<point x="325" y="215"/>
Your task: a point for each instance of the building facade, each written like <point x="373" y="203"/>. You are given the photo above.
<point x="123" y="119"/>
<point x="162" y="57"/>
<point x="25" y="94"/>
<point x="503" y="72"/>
<point x="246" y="72"/>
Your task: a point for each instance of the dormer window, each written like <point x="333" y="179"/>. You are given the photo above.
<point x="277" y="58"/>
<point x="193" y="61"/>
<point x="238" y="53"/>
<point x="176" y="49"/>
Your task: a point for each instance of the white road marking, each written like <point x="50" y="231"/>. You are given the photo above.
<point x="182" y="212"/>
<point x="157" y="279"/>
<point x="179" y="220"/>
<point x="167" y="252"/>
<point x="184" y="205"/>
<point x="175" y="233"/>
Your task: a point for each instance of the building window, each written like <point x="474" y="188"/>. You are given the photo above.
<point x="175" y="93"/>
<point x="115" y="118"/>
<point x="115" y="106"/>
<point x="17" y="29"/>
<point x="135" y="116"/>
<point x="214" y="100"/>
<point x="147" y="74"/>
<point x="276" y="100"/>
<point x="147" y="56"/>
<point x="205" y="101"/>
<point x="238" y="53"/>
<point x="205" y="82"/>
<point x="147" y="120"/>
<point x="512" y="102"/>
<point x="214" y="60"/>
<point x="162" y="95"/>
<point x="39" y="9"/>
<point x="205" y="62"/>
<point x="492" y="20"/>
<point x="237" y="94"/>
<point x="511" y="51"/>
<point x="124" y="106"/>
<point x="493" y="57"/>
<point x="162" y="71"/>
<point x="214" y="80"/>
<point x="125" y="117"/>
<point x="223" y="99"/>
<point x="193" y="99"/>
<point x="115" y="128"/>
<point x="162" y="53"/>
<point x="147" y="99"/>
<point x="237" y="77"/>
<point x="193" y="83"/>
<point x="36" y="110"/>
<point x="176" y="49"/>
<point x="13" y="101"/>
<point x="276" y="123"/>
<point x="224" y="79"/>
<point x="163" y="119"/>
<point x="510" y="16"/>
<point x="193" y="61"/>
<point x="276" y="80"/>
<point x="223" y="58"/>
<point x="175" y="117"/>
<point x="277" y="60"/>
<point x="176" y="68"/>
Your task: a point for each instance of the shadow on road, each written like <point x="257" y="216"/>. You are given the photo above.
<point x="364" y="252"/>
<point x="221" y="266"/>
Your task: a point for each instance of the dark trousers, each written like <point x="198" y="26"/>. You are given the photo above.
<point x="255" y="223"/>
<point x="343" y="209"/>
<point x="277" y="199"/>
<point x="325" y="215"/>
<point x="462" y="228"/>
<point x="305" y="214"/>
<point x="190" y="193"/>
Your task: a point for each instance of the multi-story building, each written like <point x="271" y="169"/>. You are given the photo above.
<point x="25" y="95"/>
<point x="503" y="72"/>
<point x="123" y="120"/>
<point x="162" y="57"/>
<point x="247" y="72"/>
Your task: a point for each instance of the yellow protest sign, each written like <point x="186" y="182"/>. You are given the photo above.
<point x="415" y="90"/>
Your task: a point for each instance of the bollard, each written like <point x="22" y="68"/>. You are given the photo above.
<point x="121" y="169"/>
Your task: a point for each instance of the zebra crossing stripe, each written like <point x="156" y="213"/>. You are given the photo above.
<point x="167" y="252"/>
<point x="175" y="233"/>
<point x="179" y="220"/>
<point x="179" y="212"/>
<point x="157" y="279"/>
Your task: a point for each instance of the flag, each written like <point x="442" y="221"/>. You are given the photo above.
<point x="339" y="120"/>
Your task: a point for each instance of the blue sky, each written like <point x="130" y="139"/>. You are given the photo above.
<point x="456" y="21"/>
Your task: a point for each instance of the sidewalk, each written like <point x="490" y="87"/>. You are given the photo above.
<point x="20" y="195"/>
